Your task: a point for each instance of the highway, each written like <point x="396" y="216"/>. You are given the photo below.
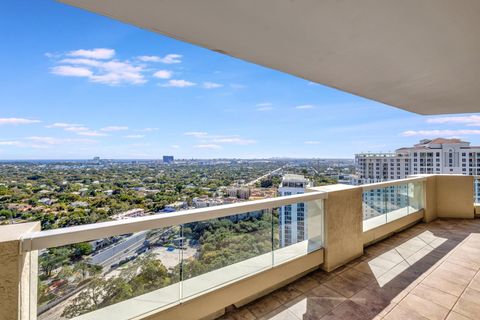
<point x="253" y="182"/>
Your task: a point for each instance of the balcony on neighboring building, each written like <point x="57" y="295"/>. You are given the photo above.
<point x="400" y="249"/>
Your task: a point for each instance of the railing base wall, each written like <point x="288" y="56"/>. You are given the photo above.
<point x="384" y="231"/>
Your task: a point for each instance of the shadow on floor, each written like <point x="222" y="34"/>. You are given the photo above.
<point x="392" y="280"/>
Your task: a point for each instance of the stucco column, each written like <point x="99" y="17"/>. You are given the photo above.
<point x="454" y="195"/>
<point x="18" y="273"/>
<point x="343" y="224"/>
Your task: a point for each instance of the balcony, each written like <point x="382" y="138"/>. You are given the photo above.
<point x="399" y="249"/>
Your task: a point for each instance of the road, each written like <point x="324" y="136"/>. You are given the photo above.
<point x="122" y="250"/>
<point x="253" y="182"/>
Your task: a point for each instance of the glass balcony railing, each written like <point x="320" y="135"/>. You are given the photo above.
<point x="476" y="189"/>
<point x="389" y="201"/>
<point x="123" y="269"/>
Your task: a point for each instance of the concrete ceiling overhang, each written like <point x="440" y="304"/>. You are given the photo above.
<point x="419" y="55"/>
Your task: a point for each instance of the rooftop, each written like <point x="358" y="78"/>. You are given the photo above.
<point x="430" y="271"/>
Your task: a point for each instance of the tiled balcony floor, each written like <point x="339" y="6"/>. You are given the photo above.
<point x="429" y="271"/>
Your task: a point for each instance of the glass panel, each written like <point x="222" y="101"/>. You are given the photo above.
<point x="397" y="201"/>
<point x="384" y="205"/>
<point x="219" y="251"/>
<point x="374" y="208"/>
<point x="297" y="230"/>
<point x="476" y="188"/>
<point x="136" y="273"/>
<point x="415" y="195"/>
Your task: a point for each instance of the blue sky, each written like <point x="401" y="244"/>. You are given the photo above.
<point x="76" y="85"/>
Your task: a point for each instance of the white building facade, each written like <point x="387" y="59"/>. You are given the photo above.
<point x="293" y="222"/>
<point x="436" y="156"/>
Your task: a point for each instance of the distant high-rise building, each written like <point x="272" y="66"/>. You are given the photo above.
<point x="293" y="222"/>
<point x="168" y="159"/>
<point x="436" y="156"/>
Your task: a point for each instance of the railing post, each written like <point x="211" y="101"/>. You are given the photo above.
<point x="343" y="224"/>
<point x="18" y="272"/>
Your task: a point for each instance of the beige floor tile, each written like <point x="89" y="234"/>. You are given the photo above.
<point x="475" y="284"/>
<point x="464" y="260"/>
<point x="401" y="313"/>
<point x="456" y="316"/>
<point x="305" y="284"/>
<point x="357" y="277"/>
<point x="316" y="303"/>
<point x="392" y="255"/>
<point x="442" y="284"/>
<point x="344" y="286"/>
<point x="239" y="314"/>
<point x="285" y="294"/>
<point x="460" y="273"/>
<point x="393" y="273"/>
<point x="263" y="306"/>
<point x="469" y="304"/>
<point x="424" y="307"/>
<point x="434" y="295"/>
<point x="371" y="269"/>
<point x="348" y="310"/>
<point x="373" y="300"/>
<point x="281" y="313"/>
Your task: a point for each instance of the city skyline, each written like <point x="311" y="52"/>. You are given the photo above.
<point x="77" y="85"/>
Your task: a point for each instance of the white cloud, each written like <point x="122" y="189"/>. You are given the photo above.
<point x="98" y="65"/>
<point x="178" y="84"/>
<point x="305" y="107"/>
<point x="114" y="128"/>
<point x="10" y="143"/>
<point x="211" y="85"/>
<point x="69" y="71"/>
<point x="168" y="59"/>
<point x="17" y="121"/>
<point x="117" y="72"/>
<point x="134" y="136"/>
<point x="472" y="120"/>
<point x="207" y="146"/>
<point x="105" y="71"/>
<point x="98" y="53"/>
<point x="64" y="125"/>
<point x="264" y="104"/>
<point x="148" y="129"/>
<point x="197" y="134"/>
<point x="91" y="133"/>
<point x="163" y="74"/>
<point x="82" y="61"/>
<point x="208" y="139"/>
<point x="267" y="108"/>
<point x="428" y="133"/>
<point x="57" y="141"/>
<point x="76" y="129"/>
<point x="312" y="142"/>
<point x="175" y="146"/>
<point x="233" y="140"/>
<point x="71" y="127"/>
